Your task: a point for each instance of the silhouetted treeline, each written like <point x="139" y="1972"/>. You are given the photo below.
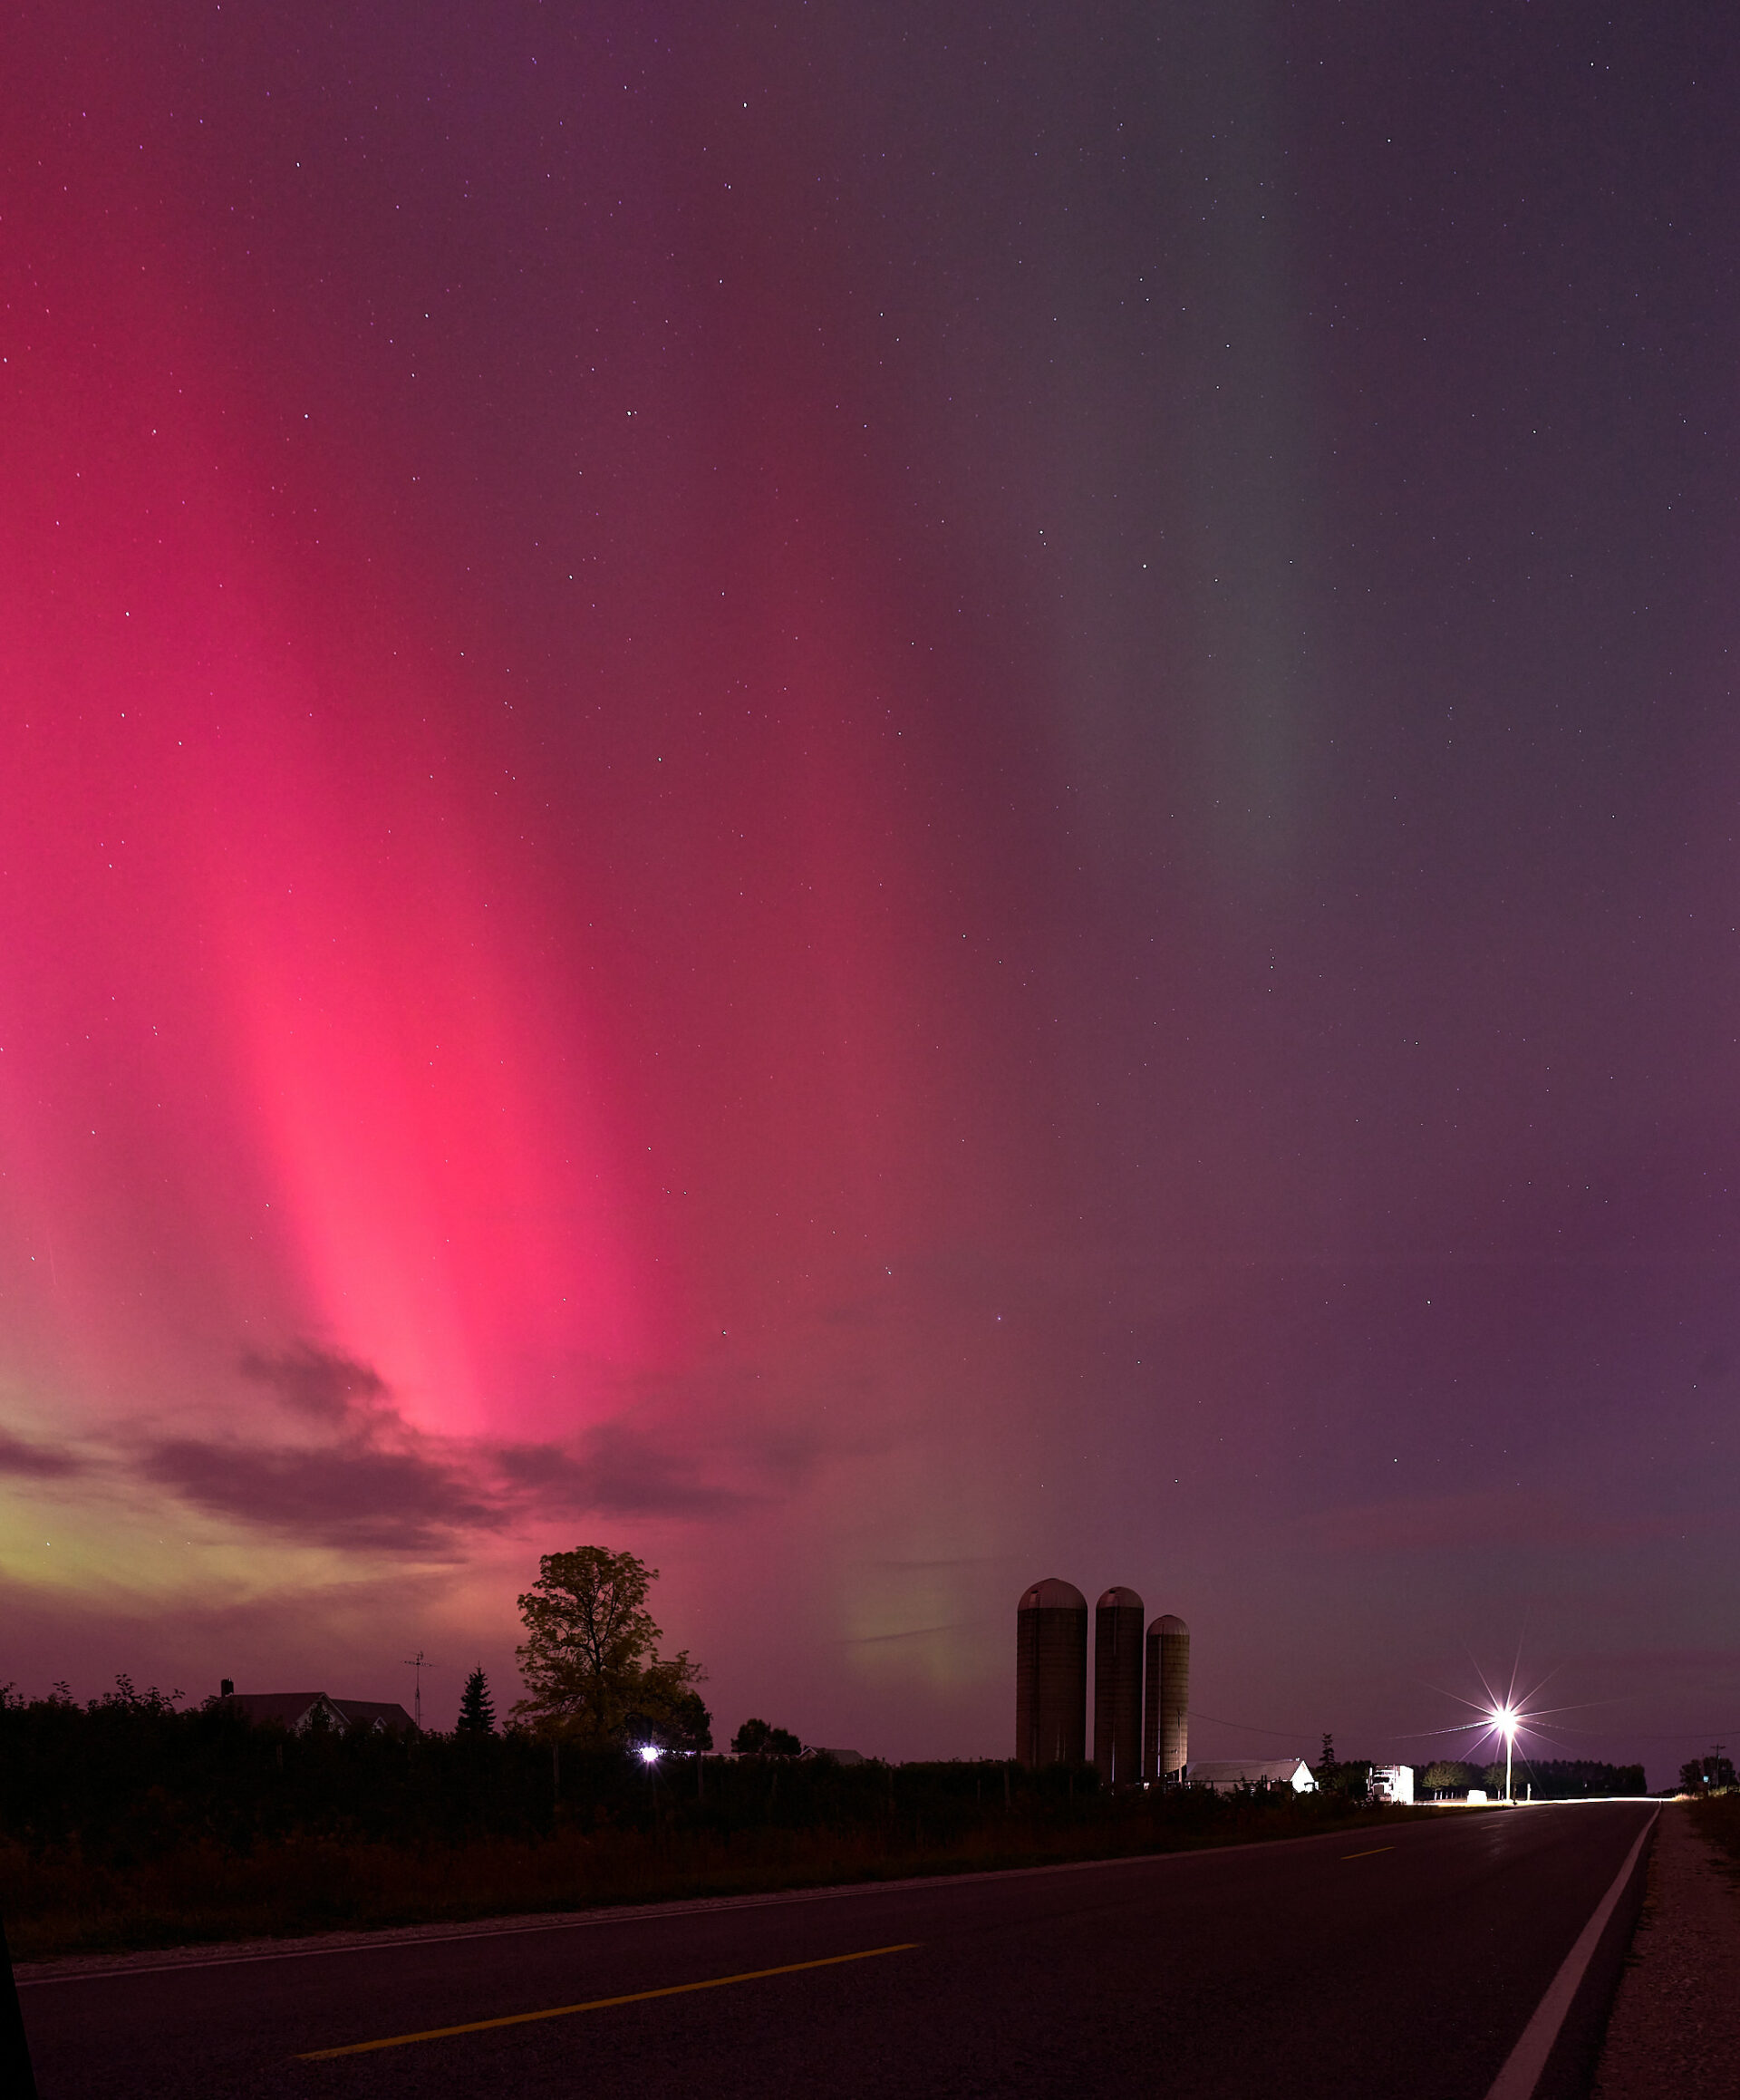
<point x="131" y="1772"/>
<point x="1566" y="1779"/>
<point x="132" y="1777"/>
<point x="130" y="1824"/>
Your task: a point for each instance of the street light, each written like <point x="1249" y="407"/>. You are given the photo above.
<point x="1504" y="1720"/>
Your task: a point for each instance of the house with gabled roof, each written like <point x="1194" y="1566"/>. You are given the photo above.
<point x="298" y="1711"/>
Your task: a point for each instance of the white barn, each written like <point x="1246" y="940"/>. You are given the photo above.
<point x="1227" y="1774"/>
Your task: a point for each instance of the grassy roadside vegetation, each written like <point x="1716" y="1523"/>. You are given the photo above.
<point x="1716" y="1816"/>
<point x="66" y="1903"/>
<point x="130" y="1825"/>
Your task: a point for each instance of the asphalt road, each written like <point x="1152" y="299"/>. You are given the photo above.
<point x="1374" y="1965"/>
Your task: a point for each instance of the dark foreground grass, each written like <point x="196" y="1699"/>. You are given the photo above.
<point x="57" y="1902"/>
<point x="129" y="1824"/>
<point x="1718" y="1818"/>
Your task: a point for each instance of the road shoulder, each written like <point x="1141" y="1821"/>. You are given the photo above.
<point x="1675" y="2027"/>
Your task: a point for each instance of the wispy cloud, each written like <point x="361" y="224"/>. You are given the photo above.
<point x="617" y="1469"/>
<point x="338" y="1464"/>
<point x="910" y="1633"/>
<point x="22" y="1461"/>
<point x="353" y="1472"/>
<point x="347" y="1495"/>
<point x="318" y="1383"/>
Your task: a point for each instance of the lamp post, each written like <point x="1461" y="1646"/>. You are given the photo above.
<point x="1505" y="1718"/>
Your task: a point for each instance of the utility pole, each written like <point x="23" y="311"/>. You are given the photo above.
<point x="419" y="1663"/>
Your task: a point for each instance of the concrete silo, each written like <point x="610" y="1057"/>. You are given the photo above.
<point x="1165" y="1719"/>
<point x="1117" y="1688"/>
<point x="1051" y="1675"/>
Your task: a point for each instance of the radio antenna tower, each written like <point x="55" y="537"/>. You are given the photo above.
<point x="419" y="1663"/>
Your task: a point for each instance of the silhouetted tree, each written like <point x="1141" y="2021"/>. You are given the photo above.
<point x="755" y="1738"/>
<point x="688" y="1726"/>
<point x="590" y="1658"/>
<point x="477" y="1708"/>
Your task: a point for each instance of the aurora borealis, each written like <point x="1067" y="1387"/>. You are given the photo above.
<point x="885" y="800"/>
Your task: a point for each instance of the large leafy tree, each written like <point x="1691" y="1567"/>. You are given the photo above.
<point x="590" y="1658"/>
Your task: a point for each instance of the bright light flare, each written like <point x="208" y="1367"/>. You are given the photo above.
<point x="1502" y="1718"/>
<point x="649" y="1753"/>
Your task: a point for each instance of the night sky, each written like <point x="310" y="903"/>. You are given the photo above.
<point x="884" y="800"/>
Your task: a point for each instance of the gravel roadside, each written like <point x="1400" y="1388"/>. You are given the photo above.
<point x="1674" y="2029"/>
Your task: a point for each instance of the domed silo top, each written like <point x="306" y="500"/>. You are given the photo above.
<point x="1120" y="1598"/>
<point x="1052" y="1595"/>
<point x="1166" y="1624"/>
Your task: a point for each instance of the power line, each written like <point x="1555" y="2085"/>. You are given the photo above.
<point x="1249" y="1728"/>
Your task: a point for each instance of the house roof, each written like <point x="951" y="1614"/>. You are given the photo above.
<point x="378" y="1713"/>
<point x="295" y="1709"/>
<point x="285" y="1709"/>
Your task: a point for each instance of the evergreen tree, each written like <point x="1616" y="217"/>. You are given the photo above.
<point x="477" y="1708"/>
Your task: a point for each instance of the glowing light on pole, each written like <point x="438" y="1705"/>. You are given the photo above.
<point x="1504" y="1720"/>
<point x="1509" y="1714"/>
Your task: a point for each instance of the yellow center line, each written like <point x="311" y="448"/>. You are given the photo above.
<point x="1372" y="1854"/>
<point x="556" y="2012"/>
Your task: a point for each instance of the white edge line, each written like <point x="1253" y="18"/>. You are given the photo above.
<point x="1525" y="2063"/>
<point x="390" y="1938"/>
